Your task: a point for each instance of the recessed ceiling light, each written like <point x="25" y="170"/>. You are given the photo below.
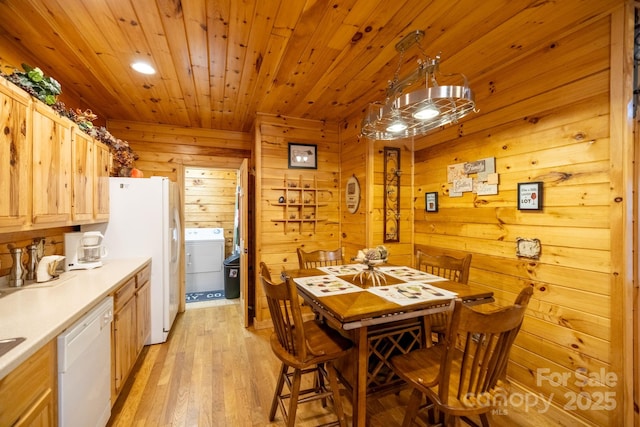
<point x="143" y="67"/>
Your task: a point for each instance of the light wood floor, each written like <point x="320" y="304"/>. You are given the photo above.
<point x="214" y="372"/>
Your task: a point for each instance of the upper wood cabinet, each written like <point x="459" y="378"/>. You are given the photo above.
<point x="51" y="167"/>
<point x="15" y="156"/>
<point x="84" y="164"/>
<point x="51" y="173"/>
<point x="101" y="182"/>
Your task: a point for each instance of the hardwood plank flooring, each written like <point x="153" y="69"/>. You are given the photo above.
<point x="214" y="372"/>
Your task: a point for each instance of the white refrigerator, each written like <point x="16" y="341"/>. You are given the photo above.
<point x="144" y="220"/>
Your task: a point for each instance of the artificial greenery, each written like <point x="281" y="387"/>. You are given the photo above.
<point x="33" y="80"/>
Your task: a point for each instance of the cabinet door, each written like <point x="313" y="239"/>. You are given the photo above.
<point x="101" y="182"/>
<point x="15" y="157"/>
<point x="28" y="393"/>
<point x="124" y="343"/>
<point x="143" y="315"/>
<point x="83" y="160"/>
<point x="51" y="167"/>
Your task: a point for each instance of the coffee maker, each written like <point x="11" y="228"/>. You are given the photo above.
<point x="84" y="250"/>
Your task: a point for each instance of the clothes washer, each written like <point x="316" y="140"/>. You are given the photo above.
<point x="204" y="259"/>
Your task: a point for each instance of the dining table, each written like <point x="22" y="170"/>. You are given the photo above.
<point x="382" y="309"/>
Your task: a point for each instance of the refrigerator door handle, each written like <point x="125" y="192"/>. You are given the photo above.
<point x="175" y="238"/>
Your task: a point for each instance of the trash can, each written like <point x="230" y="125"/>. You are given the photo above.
<point x="232" y="276"/>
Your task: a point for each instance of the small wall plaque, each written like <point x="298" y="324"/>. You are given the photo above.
<point x="302" y="156"/>
<point x="431" y="202"/>
<point x="528" y="248"/>
<point x="352" y="194"/>
<point x="530" y="196"/>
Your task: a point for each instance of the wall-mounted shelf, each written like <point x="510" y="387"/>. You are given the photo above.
<point x="300" y="202"/>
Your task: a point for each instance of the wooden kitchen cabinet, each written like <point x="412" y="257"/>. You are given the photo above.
<point x="84" y="171"/>
<point x="124" y="335"/>
<point x="143" y="307"/>
<point x="52" y="171"/>
<point x="101" y="182"/>
<point x="131" y="326"/>
<point x="15" y="156"/>
<point x="28" y="394"/>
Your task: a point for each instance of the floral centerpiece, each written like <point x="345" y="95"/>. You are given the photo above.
<point x="372" y="257"/>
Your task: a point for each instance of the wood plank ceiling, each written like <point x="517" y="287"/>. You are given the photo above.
<point x="221" y="61"/>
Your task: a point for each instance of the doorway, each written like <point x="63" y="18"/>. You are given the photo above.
<point x="210" y="209"/>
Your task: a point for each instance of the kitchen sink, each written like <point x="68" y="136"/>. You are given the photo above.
<point x="8" y="344"/>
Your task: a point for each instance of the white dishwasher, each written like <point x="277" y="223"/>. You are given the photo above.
<point x="84" y="369"/>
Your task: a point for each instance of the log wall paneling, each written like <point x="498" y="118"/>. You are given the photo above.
<point x="273" y="246"/>
<point x="354" y="161"/>
<point x="165" y="150"/>
<point x="53" y="244"/>
<point x="400" y="252"/>
<point x="555" y="130"/>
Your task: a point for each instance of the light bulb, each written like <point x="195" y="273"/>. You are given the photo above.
<point x="427" y="112"/>
<point x="143" y="67"/>
<point x="396" y="126"/>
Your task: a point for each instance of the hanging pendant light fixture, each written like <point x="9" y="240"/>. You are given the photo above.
<point x="417" y="112"/>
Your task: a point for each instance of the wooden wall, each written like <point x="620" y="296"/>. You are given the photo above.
<point x="273" y="245"/>
<point x="356" y="160"/>
<point x="167" y="150"/>
<point x="364" y="159"/>
<point x="545" y="117"/>
<point x="210" y="200"/>
<point x="53" y="244"/>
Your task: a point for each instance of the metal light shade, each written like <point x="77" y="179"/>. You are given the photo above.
<point x="453" y="102"/>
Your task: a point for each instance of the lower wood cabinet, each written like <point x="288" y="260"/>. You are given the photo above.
<point x="131" y="326"/>
<point x="28" y="394"/>
<point x="143" y="314"/>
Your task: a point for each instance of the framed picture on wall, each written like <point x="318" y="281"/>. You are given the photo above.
<point x="302" y="156"/>
<point x="431" y="202"/>
<point x="530" y="196"/>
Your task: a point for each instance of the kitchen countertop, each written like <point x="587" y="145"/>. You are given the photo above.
<point x="40" y="312"/>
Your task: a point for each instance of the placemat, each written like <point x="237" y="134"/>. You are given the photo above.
<point x="411" y="293"/>
<point x="322" y="286"/>
<point x="409" y="274"/>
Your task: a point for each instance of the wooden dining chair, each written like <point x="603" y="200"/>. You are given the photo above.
<point x="465" y="376"/>
<point x="435" y="261"/>
<point x="320" y="258"/>
<point x="303" y="348"/>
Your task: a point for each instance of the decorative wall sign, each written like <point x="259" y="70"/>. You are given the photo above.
<point x="528" y="248"/>
<point x="431" y="202"/>
<point x="302" y="156"/>
<point x="530" y="196"/>
<point x="391" y="198"/>
<point x="478" y="176"/>
<point x="352" y="194"/>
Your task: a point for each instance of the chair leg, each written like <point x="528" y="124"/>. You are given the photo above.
<point x="319" y="383"/>
<point x="412" y="408"/>
<point x="295" y="394"/>
<point x="484" y="420"/>
<point x="276" y="395"/>
<point x="337" y="402"/>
